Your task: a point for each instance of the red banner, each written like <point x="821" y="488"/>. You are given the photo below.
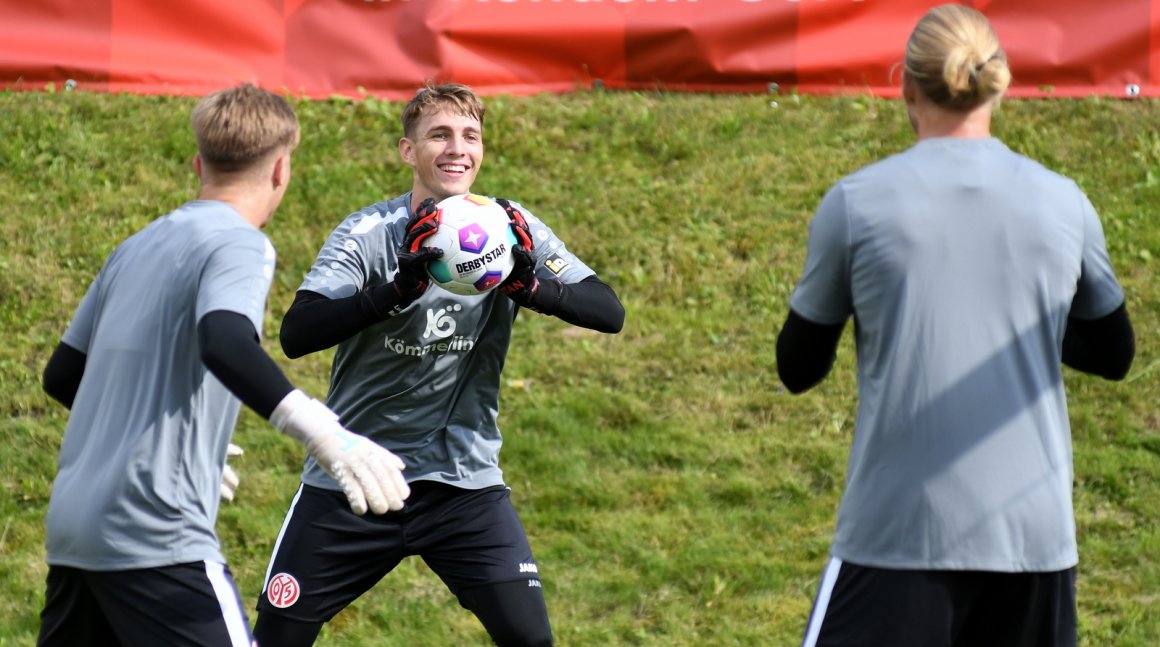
<point x="387" y="48"/>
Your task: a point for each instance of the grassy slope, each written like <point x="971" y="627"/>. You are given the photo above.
<point x="674" y="493"/>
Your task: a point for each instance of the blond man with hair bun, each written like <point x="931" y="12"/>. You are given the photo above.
<point x="973" y="274"/>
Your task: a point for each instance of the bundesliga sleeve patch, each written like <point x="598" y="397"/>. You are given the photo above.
<point x="556" y="264"/>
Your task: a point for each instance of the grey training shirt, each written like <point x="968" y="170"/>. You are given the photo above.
<point x="425" y="383"/>
<point x="141" y="461"/>
<point x="960" y="262"/>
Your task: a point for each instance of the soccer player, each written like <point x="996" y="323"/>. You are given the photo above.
<point x="397" y="380"/>
<point x="152" y="366"/>
<point x="972" y="273"/>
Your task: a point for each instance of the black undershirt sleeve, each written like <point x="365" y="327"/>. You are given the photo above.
<point x="315" y="322"/>
<point x="591" y="303"/>
<point x="62" y="374"/>
<point x="1103" y="347"/>
<point x="230" y="349"/>
<point x="806" y="351"/>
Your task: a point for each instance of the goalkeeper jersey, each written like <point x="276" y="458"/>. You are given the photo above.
<point x="424" y="383"/>
<point x="960" y="262"/>
<point x="141" y="460"/>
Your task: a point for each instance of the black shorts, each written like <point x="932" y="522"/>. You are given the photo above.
<point x="326" y="556"/>
<point x="194" y="605"/>
<point x="864" y="606"/>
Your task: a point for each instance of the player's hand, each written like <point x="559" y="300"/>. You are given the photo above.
<point x="369" y="475"/>
<point x="521" y="285"/>
<point x="412" y="280"/>
<point x="422" y="224"/>
<point x="519" y="224"/>
<point x="229" y="476"/>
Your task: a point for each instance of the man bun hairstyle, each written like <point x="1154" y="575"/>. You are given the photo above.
<point x="954" y="57"/>
<point x="238" y="127"/>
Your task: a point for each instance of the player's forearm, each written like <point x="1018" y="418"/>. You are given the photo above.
<point x="805" y="351"/>
<point x="63" y="373"/>
<point x="591" y="303"/>
<point x="315" y="322"/>
<point x="231" y="351"/>
<point x="1103" y="347"/>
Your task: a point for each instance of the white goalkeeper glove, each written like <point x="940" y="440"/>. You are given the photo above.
<point x="367" y="473"/>
<point x="229" y="476"/>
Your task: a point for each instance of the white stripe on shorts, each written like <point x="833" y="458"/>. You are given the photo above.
<point x="825" y="589"/>
<point x="231" y="606"/>
<point x="278" y="541"/>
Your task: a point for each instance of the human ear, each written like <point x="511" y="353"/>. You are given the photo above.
<point x="407" y="151"/>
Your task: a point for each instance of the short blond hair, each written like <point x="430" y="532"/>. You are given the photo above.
<point x="431" y="99"/>
<point x="238" y="127"/>
<point x="954" y="57"/>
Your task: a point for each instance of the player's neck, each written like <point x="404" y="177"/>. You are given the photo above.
<point x="931" y="121"/>
<point x="252" y="206"/>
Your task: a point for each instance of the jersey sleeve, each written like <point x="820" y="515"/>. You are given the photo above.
<point x="1098" y="292"/>
<point x="823" y="294"/>
<point x="80" y="329"/>
<point x="237" y="276"/>
<point x="553" y="259"/>
<point x="345" y="264"/>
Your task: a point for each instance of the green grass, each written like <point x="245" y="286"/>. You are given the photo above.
<point x="675" y="495"/>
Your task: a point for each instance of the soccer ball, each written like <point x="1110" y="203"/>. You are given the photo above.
<point x="476" y="238"/>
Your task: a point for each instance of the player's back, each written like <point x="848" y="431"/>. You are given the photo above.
<point x="129" y="491"/>
<point x="960" y="246"/>
<point x="964" y="259"/>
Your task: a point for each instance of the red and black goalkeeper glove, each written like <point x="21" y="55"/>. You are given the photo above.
<point x="521" y="285"/>
<point x="519" y="224"/>
<point x="411" y="279"/>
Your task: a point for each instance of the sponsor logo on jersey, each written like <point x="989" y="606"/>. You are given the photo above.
<point x="456" y="343"/>
<point x="441" y="325"/>
<point x="467" y="267"/>
<point x="556" y="264"/>
<point x="283" y="590"/>
<point x="535" y="584"/>
<point x="528" y="568"/>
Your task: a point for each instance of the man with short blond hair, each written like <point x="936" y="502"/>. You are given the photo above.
<point x="161" y="352"/>
<point x="437" y="408"/>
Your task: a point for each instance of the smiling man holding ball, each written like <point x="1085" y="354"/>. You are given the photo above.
<point x="417" y="369"/>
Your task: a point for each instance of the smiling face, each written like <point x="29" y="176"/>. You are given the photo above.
<point x="444" y="154"/>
